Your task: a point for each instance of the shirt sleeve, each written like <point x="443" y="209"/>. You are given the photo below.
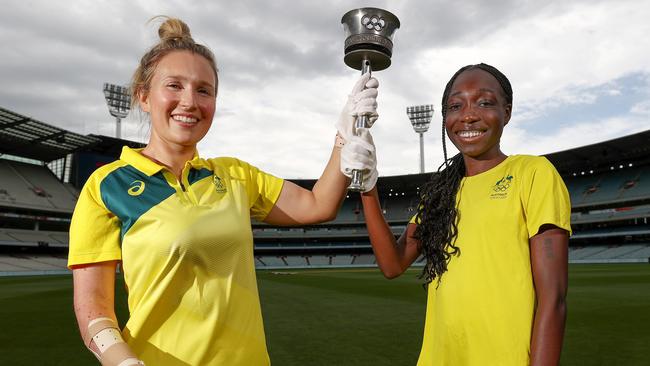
<point x="263" y="190"/>
<point x="94" y="230"/>
<point x="545" y="198"/>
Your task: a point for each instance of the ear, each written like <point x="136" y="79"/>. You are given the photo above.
<point x="508" y="113"/>
<point x="143" y="100"/>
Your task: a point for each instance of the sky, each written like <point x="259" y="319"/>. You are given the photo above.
<point x="580" y="71"/>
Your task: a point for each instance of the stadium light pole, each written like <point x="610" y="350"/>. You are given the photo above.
<point x="420" y="116"/>
<point x="118" y="99"/>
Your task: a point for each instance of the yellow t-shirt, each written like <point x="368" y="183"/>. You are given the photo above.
<point x="482" y="311"/>
<point x="186" y="252"/>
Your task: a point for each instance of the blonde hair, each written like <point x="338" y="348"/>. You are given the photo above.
<point x="174" y="36"/>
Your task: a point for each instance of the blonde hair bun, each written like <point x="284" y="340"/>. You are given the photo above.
<point x="173" y="28"/>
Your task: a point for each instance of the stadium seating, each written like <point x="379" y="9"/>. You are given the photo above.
<point x="642" y="253"/>
<point x="20" y="263"/>
<point x="319" y="260"/>
<point x="32" y="186"/>
<point x="271" y="261"/>
<point x="618" y="185"/>
<point x="612" y="214"/>
<point x="364" y="259"/>
<point x="295" y="260"/>
<point x="613" y="253"/>
<point x="33" y="238"/>
<point x="342" y="260"/>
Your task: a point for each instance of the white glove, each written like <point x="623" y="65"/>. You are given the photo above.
<point x="360" y="153"/>
<point x="361" y="101"/>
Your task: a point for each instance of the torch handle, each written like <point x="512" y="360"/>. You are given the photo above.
<point x="361" y="123"/>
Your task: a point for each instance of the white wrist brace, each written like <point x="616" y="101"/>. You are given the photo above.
<point x="113" y="351"/>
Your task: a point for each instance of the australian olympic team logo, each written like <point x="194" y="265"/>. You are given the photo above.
<point x="137" y="187"/>
<point x="503" y="184"/>
<point x="501" y="187"/>
<point x="219" y="186"/>
<point x="373" y="22"/>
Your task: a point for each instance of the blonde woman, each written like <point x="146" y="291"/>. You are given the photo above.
<point x="180" y="224"/>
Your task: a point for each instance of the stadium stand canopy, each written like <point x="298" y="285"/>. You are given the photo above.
<point x="26" y="137"/>
<point x="602" y="156"/>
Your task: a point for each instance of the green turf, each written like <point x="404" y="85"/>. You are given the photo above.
<point x="345" y="317"/>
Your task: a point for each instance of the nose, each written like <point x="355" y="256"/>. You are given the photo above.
<point x="188" y="99"/>
<point x="469" y="114"/>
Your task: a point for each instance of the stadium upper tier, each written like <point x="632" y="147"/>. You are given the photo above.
<point x="621" y="184"/>
<point x="620" y="193"/>
<point x="34" y="187"/>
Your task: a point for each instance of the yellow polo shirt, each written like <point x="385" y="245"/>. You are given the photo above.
<point x="481" y="311"/>
<point x="187" y="254"/>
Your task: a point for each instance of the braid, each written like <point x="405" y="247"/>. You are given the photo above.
<point x="437" y="215"/>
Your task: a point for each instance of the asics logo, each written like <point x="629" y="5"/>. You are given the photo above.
<point x="137" y="187"/>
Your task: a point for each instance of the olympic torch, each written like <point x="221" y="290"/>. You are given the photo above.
<point x="368" y="46"/>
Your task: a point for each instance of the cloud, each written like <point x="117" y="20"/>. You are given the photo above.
<point x="283" y="80"/>
<point x="642" y="109"/>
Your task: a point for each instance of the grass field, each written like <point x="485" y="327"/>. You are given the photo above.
<point x="345" y="317"/>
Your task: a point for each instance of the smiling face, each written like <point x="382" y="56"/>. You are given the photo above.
<point x="180" y="99"/>
<point x="476" y="113"/>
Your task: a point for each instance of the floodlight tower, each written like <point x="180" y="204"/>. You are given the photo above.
<point x="118" y="99"/>
<point x="420" y="116"/>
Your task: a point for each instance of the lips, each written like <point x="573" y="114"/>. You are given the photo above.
<point x="470" y="135"/>
<point x="187" y="120"/>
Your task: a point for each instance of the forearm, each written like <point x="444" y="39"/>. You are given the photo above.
<point x="93" y="295"/>
<point x="549" y="261"/>
<point x="390" y="255"/>
<point x="94" y="288"/>
<point x="548" y="332"/>
<point x="330" y="189"/>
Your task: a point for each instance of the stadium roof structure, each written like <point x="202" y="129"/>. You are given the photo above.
<point x="26" y="137"/>
<point x="599" y="157"/>
<point x="604" y="155"/>
<point x="111" y="146"/>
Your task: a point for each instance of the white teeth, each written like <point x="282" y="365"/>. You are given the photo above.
<point x="185" y="119"/>
<point x="469" y="134"/>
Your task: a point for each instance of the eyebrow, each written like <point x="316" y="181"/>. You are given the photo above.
<point x="179" y="77"/>
<point x="480" y="90"/>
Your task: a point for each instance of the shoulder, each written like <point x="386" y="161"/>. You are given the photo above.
<point x="531" y="164"/>
<point x="227" y="163"/>
<point x="100" y="174"/>
<point x="536" y="171"/>
<point x="231" y="166"/>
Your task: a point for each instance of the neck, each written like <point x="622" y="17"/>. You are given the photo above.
<point x="474" y="166"/>
<point x="172" y="156"/>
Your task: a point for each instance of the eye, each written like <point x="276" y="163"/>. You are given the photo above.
<point x="205" y="91"/>
<point x="174" y="85"/>
<point x="485" y="103"/>
<point x="452" y="107"/>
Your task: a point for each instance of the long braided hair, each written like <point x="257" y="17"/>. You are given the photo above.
<point x="437" y="216"/>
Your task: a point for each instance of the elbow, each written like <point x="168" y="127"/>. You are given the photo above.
<point x="391" y="275"/>
<point x="555" y="304"/>
<point x="323" y="217"/>
<point x="559" y="299"/>
<point x="330" y="216"/>
<point x="391" y="272"/>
